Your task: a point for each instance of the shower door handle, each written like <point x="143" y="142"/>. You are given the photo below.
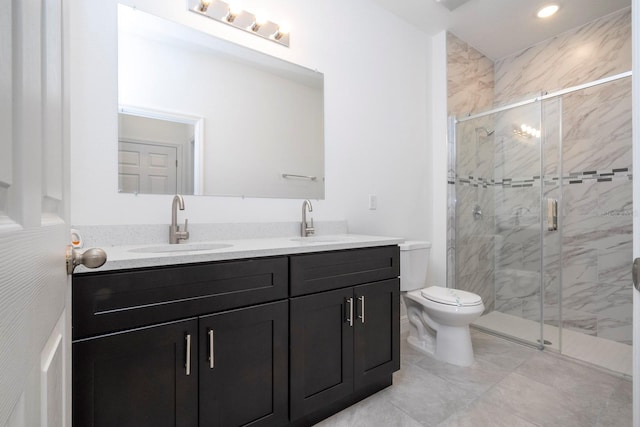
<point x="552" y="214"/>
<point x="635" y="273"/>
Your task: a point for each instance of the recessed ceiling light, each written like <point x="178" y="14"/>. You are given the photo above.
<point x="547" y="11"/>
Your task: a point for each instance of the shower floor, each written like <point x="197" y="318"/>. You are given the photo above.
<point x="611" y="355"/>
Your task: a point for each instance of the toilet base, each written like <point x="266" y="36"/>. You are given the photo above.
<point x="452" y="345"/>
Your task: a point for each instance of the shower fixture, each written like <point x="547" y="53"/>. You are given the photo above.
<point x="489" y="132"/>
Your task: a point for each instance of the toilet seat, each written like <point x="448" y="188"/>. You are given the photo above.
<point x="448" y="296"/>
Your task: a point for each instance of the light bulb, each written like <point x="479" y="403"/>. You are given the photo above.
<point x="547" y="11"/>
<point x="204" y="5"/>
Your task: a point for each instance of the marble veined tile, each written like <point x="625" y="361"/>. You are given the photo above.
<point x="499" y="351"/>
<point x="373" y="411"/>
<point x="477" y="378"/>
<point x="613" y="302"/>
<point x="596" y="232"/>
<point x="481" y="413"/>
<point x="428" y="405"/>
<point x="614" y="264"/>
<point x="615" y="330"/>
<point x="580" y="199"/>
<point x="470" y="78"/>
<point x="540" y="403"/>
<point x="615" y="198"/>
<point x="619" y="409"/>
<point x="576" y="380"/>
<point x="595" y="50"/>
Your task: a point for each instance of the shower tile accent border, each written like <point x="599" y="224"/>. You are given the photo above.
<point x="608" y="175"/>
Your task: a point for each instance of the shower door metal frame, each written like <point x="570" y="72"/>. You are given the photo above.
<point x="453" y="121"/>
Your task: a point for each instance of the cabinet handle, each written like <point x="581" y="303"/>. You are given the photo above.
<point x="187" y="365"/>
<point x="212" y="363"/>
<point x="361" y="316"/>
<point x="350" y="318"/>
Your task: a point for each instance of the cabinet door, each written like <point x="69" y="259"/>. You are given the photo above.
<point x="244" y="367"/>
<point x="140" y="378"/>
<point x="321" y="350"/>
<point x="377" y="331"/>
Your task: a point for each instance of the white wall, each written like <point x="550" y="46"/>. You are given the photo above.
<point x="377" y="117"/>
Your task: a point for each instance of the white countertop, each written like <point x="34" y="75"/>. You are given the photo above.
<point x="136" y="256"/>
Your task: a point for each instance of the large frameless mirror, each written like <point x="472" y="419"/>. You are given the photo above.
<point x="200" y="115"/>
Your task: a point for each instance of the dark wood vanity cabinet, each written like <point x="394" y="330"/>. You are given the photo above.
<point x="345" y="342"/>
<point x="136" y="374"/>
<point x="244" y="367"/>
<point x="258" y="342"/>
<point x="137" y="378"/>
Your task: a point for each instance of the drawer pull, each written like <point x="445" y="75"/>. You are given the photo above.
<point x="212" y="363"/>
<point x="187" y="365"/>
<point x="361" y="316"/>
<point x="350" y="318"/>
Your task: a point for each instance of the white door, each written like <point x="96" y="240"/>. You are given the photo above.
<point x="148" y="168"/>
<point x="635" y="13"/>
<point x="34" y="286"/>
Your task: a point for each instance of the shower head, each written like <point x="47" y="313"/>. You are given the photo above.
<point x="489" y="132"/>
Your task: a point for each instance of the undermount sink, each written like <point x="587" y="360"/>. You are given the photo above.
<point x="189" y="247"/>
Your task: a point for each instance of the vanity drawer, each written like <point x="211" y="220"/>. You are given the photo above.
<point x="322" y="271"/>
<point x="113" y="301"/>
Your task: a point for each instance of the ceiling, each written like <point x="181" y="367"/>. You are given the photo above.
<point x="500" y="28"/>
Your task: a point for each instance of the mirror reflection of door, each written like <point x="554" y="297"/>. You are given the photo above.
<point x="155" y="156"/>
<point x="147" y="168"/>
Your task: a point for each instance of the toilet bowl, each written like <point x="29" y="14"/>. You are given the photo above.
<point x="439" y="317"/>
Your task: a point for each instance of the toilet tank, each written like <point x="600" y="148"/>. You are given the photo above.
<point x="414" y="264"/>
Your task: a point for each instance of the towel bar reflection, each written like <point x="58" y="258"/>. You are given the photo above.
<point x="308" y="177"/>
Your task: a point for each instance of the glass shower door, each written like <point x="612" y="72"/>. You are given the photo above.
<point x="498" y="218"/>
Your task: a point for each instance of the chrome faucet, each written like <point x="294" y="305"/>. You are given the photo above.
<point x="175" y="235"/>
<point x="306" y="229"/>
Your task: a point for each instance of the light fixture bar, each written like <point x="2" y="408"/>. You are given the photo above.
<point x="241" y="19"/>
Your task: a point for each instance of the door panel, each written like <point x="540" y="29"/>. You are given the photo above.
<point x="245" y="380"/>
<point x="377" y="331"/>
<point x="147" y="168"/>
<point x="33" y="214"/>
<point x="321" y="351"/>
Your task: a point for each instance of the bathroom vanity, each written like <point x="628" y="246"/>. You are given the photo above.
<point x="285" y="338"/>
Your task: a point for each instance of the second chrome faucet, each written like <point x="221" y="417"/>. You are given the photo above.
<point x="175" y="235"/>
<point x="306" y="228"/>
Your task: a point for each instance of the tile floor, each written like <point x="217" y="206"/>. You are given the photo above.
<point x="509" y="385"/>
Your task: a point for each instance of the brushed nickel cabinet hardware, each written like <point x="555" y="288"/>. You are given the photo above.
<point x="187" y="365"/>
<point x="350" y="318"/>
<point x="361" y="316"/>
<point x="212" y="363"/>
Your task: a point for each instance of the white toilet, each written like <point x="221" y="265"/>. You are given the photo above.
<point x="439" y="317"/>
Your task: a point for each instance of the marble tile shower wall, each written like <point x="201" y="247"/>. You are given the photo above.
<point x="470" y="88"/>
<point x="594" y="127"/>
<point x="599" y="49"/>
<point x="498" y="255"/>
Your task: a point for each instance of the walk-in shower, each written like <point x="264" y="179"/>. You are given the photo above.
<point x="540" y="213"/>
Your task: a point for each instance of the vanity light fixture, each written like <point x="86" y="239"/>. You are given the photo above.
<point x="281" y="32"/>
<point x="232" y="13"/>
<point x="204" y="5"/>
<point x="547" y="11"/>
<point x="252" y="23"/>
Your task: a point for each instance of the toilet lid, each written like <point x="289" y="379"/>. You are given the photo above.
<point x="451" y="296"/>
